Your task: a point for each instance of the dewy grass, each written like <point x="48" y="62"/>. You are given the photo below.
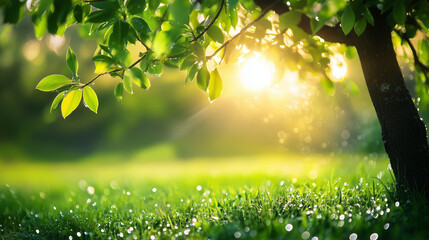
<point x="197" y="200"/>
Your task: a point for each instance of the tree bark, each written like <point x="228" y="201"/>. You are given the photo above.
<point x="403" y="131"/>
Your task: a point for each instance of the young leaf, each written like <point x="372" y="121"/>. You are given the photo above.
<point x="347" y="20"/>
<point x="203" y="78"/>
<point x="119" y="91"/>
<point x="215" y="85"/>
<point x="216" y="34"/>
<point x="53" y="82"/>
<point x="72" y="61"/>
<point x="57" y="101"/>
<point x="70" y="102"/>
<point x="128" y="85"/>
<point x="90" y="98"/>
<point x="289" y="19"/>
<point x="360" y="26"/>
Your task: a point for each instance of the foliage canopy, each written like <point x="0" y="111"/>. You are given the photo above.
<point x="196" y="36"/>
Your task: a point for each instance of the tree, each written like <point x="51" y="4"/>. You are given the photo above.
<point x="299" y="35"/>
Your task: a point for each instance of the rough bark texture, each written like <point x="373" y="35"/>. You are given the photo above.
<point x="403" y="132"/>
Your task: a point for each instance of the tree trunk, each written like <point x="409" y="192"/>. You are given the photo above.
<point x="403" y="131"/>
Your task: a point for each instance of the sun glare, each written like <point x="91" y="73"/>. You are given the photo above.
<point x="338" y="67"/>
<point x="257" y="74"/>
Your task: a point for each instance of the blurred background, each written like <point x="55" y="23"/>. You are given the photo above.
<point x="171" y="120"/>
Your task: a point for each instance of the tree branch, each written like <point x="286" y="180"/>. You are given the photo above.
<point x="210" y="24"/>
<point x="113" y="71"/>
<point x="417" y="61"/>
<point x="331" y="34"/>
<point x="243" y="30"/>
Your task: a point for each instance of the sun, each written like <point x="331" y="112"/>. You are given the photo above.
<point x="338" y="67"/>
<point x="257" y="74"/>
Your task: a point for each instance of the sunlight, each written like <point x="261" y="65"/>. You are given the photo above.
<point x="257" y="74"/>
<point x="338" y="67"/>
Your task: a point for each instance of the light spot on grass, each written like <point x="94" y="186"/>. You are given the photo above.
<point x="396" y="204"/>
<point x="199" y="188"/>
<point x="237" y="234"/>
<point x="289" y="227"/>
<point x="186" y="232"/>
<point x="353" y="236"/>
<point x="154" y="190"/>
<point x="37" y="231"/>
<point x="90" y="190"/>
<point x="305" y="235"/>
<point x="373" y="236"/>
<point x="386" y="226"/>
<point x="78" y="234"/>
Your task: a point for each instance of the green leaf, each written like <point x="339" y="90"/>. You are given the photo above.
<point x="360" y="26"/>
<point x="136" y="6"/>
<point x="347" y="20"/>
<point x="40" y="26"/>
<point x="399" y="13"/>
<point x="118" y="37"/>
<point x="57" y="101"/>
<point x="163" y="42"/>
<point x="215" y="85"/>
<point x="191" y="73"/>
<point x="232" y="3"/>
<point x="423" y="50"/>
<point x="327" y="85"/>
<point x="179" y="11"/>
<point x="70" y="102"/>
<point x="100" y="16"/>
<point x="138" y="77"/>
<point x="351" y="86"/>
<point x="53" y="82"/>
<point x="351" y="52"/>
<point x="289" y="19"/>
<point x="128" y="85"/>
<point x="119" y="91"/>
<point x="72" y="61"/>
<point x="155" y="68"/>
<point x="78" y="13"/>
<point x="203" y="78"/>
<point x="367" y="14"/>
<point x="216" y="34"/>
<point x="140" y="25"/>
<point x="188" y="62"/>
<point x="90" y="98"/>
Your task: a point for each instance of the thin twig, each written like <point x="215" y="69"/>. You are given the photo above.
<point x="243" y="30"/>
<point x="210" y="24"/>
<point x="113" y="71"/>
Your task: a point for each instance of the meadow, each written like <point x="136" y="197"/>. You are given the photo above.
<point x="262" y="197"/>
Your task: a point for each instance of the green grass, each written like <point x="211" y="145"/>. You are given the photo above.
<point x="317" y="197"/>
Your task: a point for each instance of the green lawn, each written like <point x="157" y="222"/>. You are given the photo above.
<point x="264" y="197"/>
